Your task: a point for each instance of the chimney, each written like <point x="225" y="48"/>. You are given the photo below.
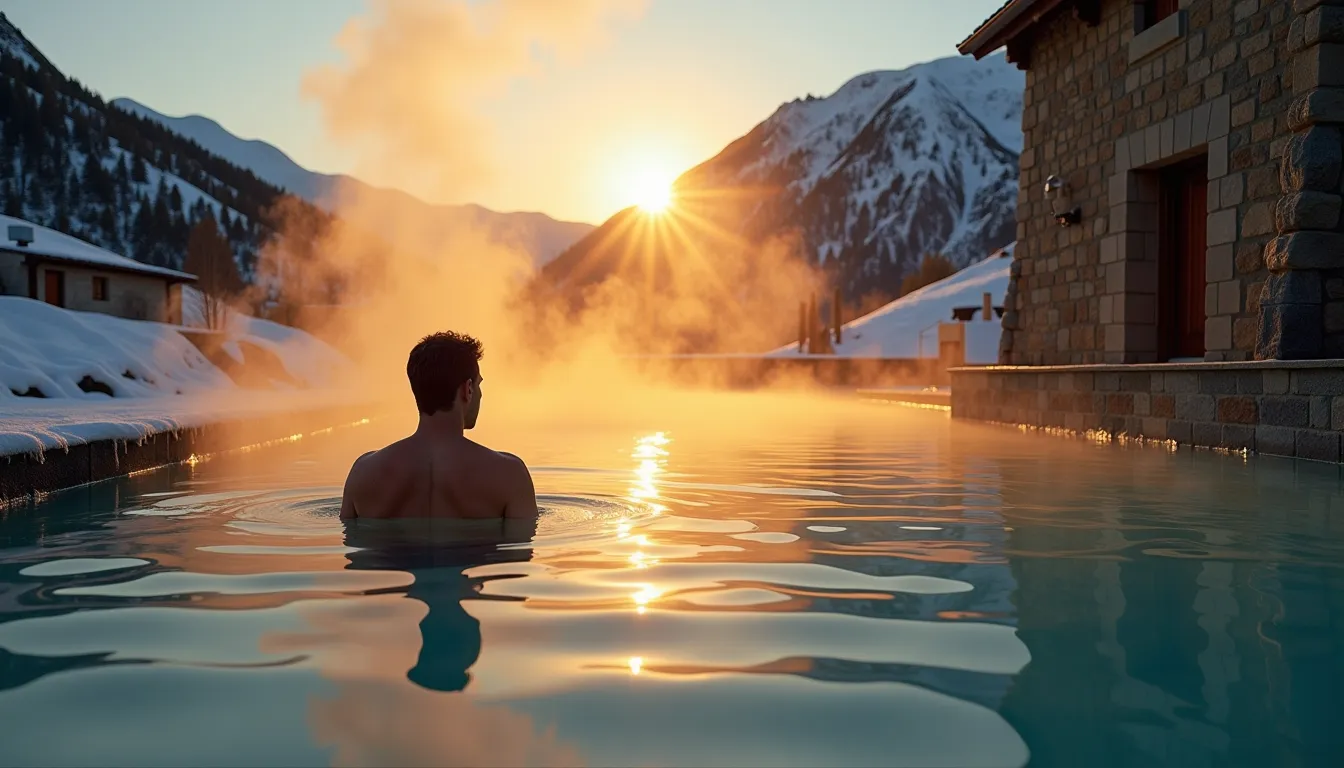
<point x="987" y="312"/>
<point x="21" y="235"/>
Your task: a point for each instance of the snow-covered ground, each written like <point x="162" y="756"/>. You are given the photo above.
<point x="894" y="330"/>
<point x="158" y="379"/>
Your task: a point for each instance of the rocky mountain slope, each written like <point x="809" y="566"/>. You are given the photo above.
<point x="861" y="184"/>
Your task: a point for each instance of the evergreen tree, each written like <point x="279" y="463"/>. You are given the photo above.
<point x="139" y="173"/>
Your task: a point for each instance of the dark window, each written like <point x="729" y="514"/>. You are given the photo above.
<point x="1155" y="11"/>
<point x="1182" y="218"/>
<point x="100" y="289"/>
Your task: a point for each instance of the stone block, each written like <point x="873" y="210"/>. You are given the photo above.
<point x="1180" y="430"/>
<point x="1292" y="287"/>
<point x="1166" y="137"/>
<point x="1181" y="132"/>
<point x="1337" y="412"/>
<point x="1250" y="258"/>
<point x="1320" y="381"/>
<point x="1317" y="445"/>
<point x="1206" y="434"/>
<point x="1232" y="190"/>
<point x="1243" y="113"/>
<point x="1163" y="406"/>
<point x="1312" y="160"/>
<point x="1219" y="263"/>
<point x="1275" y="441"/>
<point x="1221" y="227"/>
<point x="1308" y="210"/>
<point x="1323" y="106"/>
<point x="1238" y="437"/>
<point x="1218" y="382"/>
<point x="1289" y="332"/>
<point x="1143" y="404"/>
<point x="1320" y="412"/>
<point x="1133" y="217"/>
<point x="1237" y="409"/>
<point x="1180" y="382"/>
<point x="1152" y="144"/>
<point x="1285" y="411"/>
<point x="1122" y="159"/>
<point x="1131" y="277"/>
<point x="1218" y="159"/>
<point x="1220" y="117"/>
<point x="1218" y="333"/>
<point x="1199" y="125"/>
<point x="1334" y="317"/>
<point x="1276" y="382"/>
<point x="1153" y="428"/>
<point x="1323" y="25"/>
<point x="1318" y="66"/>
<point x="1305" y="250"/>
<point x="1259" y="220"/>
<point x="1196" y="407"/>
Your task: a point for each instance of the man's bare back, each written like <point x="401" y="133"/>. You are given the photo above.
<point x="438" y="472"/>
<point x="424" y="477"/>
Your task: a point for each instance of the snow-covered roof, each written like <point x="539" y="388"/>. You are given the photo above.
<point x="48" y="244"/>
<point x="894" y="330"/>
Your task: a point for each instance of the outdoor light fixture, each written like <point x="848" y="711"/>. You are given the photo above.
<point x="1057" y="195"/>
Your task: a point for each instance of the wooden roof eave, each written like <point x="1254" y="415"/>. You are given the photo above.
<point x="1010" y="27"/>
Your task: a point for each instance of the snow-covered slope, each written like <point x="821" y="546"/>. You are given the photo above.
<point x="51" y="350"/>
<point x="890" y="167"/>
<point x="894" y="330"/>
<point x="540" y="236"/>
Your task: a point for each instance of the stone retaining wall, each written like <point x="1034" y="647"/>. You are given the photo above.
<point x="1277" y="408"/>
<point x="24" y="475"/>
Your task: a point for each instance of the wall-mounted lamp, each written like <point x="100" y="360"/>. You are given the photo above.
<point x="1058" y="196"/>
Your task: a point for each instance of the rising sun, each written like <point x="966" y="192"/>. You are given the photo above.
<point x="652" y="192"/>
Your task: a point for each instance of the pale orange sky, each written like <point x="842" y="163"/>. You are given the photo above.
<point x="575" y="138"/>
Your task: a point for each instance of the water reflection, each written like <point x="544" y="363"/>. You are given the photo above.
<point x="884" y="588"/>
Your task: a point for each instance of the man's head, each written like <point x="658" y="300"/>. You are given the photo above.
<point x="445" y="373"/>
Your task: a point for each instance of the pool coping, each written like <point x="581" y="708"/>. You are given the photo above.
<point x="29" y="476"/>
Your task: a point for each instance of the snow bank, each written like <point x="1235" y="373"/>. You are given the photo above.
<point x="52" y="350"/>
<point x="894" y="330"/>
<point x="88" y="376"/>
<point x="305" y="357"/>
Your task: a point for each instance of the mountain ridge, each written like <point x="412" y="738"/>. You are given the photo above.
<point x="541" y="235"/>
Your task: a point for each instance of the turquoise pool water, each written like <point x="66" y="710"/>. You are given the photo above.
<point x="831" y="583"/>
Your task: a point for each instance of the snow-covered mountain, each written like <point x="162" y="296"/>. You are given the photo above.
<point x="542" y="237"/>
<point x="891" y="166"/>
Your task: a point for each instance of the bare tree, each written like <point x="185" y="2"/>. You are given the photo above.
<point x="210" y="258"/>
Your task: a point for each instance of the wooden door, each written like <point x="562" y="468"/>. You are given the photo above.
<point x="1182" y="221"/>
<point x="55" y="287"/>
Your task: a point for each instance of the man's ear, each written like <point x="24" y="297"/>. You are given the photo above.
<point x="468" y="389"/>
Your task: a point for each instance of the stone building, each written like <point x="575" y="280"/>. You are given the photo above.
<point x="1179" y="203"/>
<point x="43" y="264"/>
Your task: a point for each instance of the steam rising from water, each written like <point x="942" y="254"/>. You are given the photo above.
<point x="409" y="99"/>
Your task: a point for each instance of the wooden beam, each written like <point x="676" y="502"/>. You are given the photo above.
<point x="1087" y="11"/>
<point x="1019" y="52"/>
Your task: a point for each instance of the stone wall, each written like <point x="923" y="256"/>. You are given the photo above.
<point x="1102" y="107"/>
<point x="1277" y="408"/>
<point x="1303" y="315"/>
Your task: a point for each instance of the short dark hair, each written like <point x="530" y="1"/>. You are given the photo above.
<point x="438" y="365"/>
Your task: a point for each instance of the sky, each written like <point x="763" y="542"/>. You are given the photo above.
<point x="578" y="138"/>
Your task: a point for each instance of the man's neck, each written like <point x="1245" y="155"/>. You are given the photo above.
<point x="440" y="425"/>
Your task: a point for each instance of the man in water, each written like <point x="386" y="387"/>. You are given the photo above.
<point x="437" y="472"/>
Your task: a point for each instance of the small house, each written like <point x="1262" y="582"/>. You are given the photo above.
<point x="50" y="266"/>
